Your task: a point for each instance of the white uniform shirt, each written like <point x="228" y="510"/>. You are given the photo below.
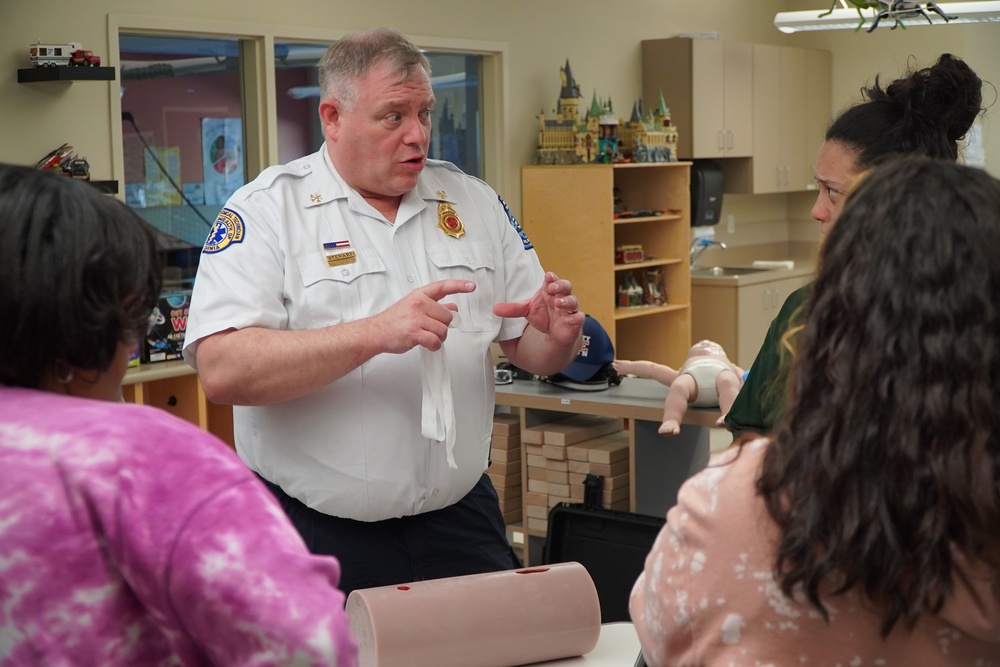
<point x="354" y="448"/>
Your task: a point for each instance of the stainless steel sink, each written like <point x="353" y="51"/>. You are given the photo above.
<point x="725" y="271"/>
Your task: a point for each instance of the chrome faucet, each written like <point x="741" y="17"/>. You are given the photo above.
<point x="699" y="245"/>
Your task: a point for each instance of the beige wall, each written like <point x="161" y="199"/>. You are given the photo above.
<point x="600" y="38"/>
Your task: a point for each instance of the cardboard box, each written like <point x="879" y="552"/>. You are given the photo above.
<point x="165" y="338"/>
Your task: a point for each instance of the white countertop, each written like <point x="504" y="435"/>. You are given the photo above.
<point x="804" y="256"/>
<point x="618" y="646"/>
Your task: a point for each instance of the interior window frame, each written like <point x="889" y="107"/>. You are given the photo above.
<point x="260" y="122"/>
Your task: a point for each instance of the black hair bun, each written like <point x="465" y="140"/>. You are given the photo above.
<point x="948" y="94"/>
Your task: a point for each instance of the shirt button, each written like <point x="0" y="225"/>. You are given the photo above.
<point x="409" y="278"/>
<point x="435" y="492"/>
<point x="345" y="272"/>
<point x="469" y="260"/>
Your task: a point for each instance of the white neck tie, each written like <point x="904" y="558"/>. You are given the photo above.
<point x="437" y="410"/>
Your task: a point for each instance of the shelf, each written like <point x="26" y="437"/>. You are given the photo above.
<point x="107" y="187"/>
<point x="646" y="165"/>
<point x="641" y="311"/>
<point x="649" y="218"/>
<point x="648" y="263"/>
<point x="65" y="73"/>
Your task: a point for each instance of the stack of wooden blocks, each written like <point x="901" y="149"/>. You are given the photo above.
<point x="505" y="466"/>
<point x="561" y="454"/>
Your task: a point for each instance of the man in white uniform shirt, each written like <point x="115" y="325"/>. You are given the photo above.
<point x="345" y="304"/>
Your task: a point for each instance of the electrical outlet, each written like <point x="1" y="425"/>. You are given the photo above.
<point x="731" y="224"/>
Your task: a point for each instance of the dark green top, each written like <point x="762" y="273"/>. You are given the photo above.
<point x="760" y="404"/>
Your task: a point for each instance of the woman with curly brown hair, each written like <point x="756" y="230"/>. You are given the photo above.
<point x="866" y="531"/>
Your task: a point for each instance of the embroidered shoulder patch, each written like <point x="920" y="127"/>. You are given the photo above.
<point x="516" y="225"/>
<point x="227" y="230"/>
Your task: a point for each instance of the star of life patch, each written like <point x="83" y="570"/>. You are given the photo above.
<point x="227" y="230"/>
<point x="516" y="225"/>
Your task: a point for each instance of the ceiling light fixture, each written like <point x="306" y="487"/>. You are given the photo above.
<point x="963" y="12"/>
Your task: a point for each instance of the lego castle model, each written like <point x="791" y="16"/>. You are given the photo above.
<point x="600" y="136"/>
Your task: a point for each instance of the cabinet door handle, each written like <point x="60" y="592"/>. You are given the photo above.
<point x="729" y="139"/>
<point x="722" y="141"/>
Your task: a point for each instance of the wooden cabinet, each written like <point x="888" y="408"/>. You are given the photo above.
<point x="737" y="317"/>
<point x="708" y="86"/>
<point x="779" y="105"/>
<point x="819" y="98"/>
<point x="174" y="386"/>
<point x="568" y="213"/>
<point x="731" y="100"/>
<point x="791" y="107"/>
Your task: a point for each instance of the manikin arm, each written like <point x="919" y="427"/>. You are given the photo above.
<point x="665" y="375"/>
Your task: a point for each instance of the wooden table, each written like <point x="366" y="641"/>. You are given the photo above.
<point x="659" y="464"/>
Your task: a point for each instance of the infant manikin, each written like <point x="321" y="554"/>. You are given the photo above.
<point x="707" y="379"/>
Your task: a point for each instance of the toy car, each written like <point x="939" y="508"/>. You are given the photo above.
<point x="78" y="167"/>
<point x="84" y="58"/>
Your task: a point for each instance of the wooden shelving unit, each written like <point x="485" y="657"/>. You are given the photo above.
<point x="568" y="213"/>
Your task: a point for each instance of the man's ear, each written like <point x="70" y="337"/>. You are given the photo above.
<point x="329" y="115"/>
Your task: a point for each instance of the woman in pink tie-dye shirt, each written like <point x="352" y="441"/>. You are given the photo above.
<point x="127" y="536"/>
<point x="867" y="531"/>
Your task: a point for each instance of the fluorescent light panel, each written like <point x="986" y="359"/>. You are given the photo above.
<point x="965" y="12"/>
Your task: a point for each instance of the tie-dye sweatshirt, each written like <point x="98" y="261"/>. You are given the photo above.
<point x="707" y="595"/>
<point x="131" y="537"/>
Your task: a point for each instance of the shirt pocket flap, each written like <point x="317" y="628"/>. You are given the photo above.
<point x="314" y="267"/>
<point x="472" y="255"/>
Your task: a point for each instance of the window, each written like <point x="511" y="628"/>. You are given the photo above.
<point x="182" y="131"/>
<point x="456" y="136"/>
<point x="200" y="118"/>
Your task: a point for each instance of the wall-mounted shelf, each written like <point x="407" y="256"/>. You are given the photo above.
<point x="65" y="73"/>
<point x="107" y="187"/>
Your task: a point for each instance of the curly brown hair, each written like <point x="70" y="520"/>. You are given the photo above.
<point x="888" y="457"/>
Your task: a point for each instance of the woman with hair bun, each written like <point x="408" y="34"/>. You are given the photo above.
<point x="925" y="113"/>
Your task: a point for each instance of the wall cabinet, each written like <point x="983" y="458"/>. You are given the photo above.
<point x="568" y="213"/>
<point x="737" y="317"/>
<point x="791" y="108"/>
<point x="779" y="105"/>
<point x="819" y="99"/>
<point x="708" y="86"/>
<point x="729" y="100"/>
<point x="174" y="386"/>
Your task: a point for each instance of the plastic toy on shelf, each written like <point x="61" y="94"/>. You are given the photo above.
<point x="58" y="55"/>
<point x="67" y="162"/>
<point x="600" y="136"/>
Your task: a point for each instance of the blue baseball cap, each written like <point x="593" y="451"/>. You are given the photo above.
<point x="596" y="352"/>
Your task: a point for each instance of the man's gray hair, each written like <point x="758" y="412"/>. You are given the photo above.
<point x="351" y="58"/>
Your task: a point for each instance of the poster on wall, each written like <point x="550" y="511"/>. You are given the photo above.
<point x="222" y="157"/>
<point x="163" y="170"/>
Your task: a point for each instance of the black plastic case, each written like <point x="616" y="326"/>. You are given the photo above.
<point x="612" y="546"/>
